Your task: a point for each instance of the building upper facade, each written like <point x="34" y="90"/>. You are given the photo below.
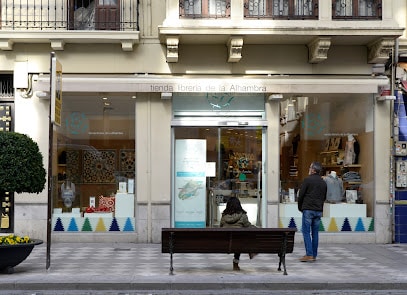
<point x="317" y="24"/>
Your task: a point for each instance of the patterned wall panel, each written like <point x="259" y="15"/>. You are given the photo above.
<point x="127" y="163"/>
<point x="99" y="166"/>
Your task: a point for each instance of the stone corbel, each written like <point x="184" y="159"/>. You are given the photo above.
<point x="172" y="48"/>
<point x="6" y="44"/>
<point x="127" y="45"/>
<point x="57" y="44"/>
<point x="235" y="45"/>
<point x="318" y="49"/>
<point x="379" y="51"/>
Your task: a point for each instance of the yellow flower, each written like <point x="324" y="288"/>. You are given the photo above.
<point x="14" y="240"/>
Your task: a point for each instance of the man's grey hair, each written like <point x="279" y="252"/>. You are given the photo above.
<point x="317" y="167"/>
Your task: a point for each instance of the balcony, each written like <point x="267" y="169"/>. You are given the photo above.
<point x="281" y="9"/>
<point x="69" y="21"/>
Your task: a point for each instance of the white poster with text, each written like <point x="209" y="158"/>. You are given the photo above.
<point x="190" y="183"/>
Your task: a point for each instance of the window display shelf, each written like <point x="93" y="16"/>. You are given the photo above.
<point x="344" y="210"/>
<point x="98" y="214"/>
<point x="289" y="210"/>
<point x="353" y="166"/>
<point x="66" y="215"/>
<point x="124" y="205"/>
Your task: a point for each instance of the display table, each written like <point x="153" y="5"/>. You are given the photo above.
<point x="289" y="210"/>
<point x="344" y="210"/>
<point x="124" y="206"/>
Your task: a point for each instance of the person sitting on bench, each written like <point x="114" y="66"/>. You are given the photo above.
<point x="235" y="216"/>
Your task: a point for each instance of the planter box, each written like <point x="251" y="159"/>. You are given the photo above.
<point x="12" y="255"/>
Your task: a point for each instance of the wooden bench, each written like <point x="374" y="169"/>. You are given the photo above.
<point x="228" y="240"/>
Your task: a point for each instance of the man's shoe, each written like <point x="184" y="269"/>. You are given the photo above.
<point x="307" y="258"/>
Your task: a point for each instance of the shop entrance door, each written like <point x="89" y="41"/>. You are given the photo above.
<point x="234" y="160"/>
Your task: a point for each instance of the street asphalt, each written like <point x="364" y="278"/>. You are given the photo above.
<point x="141" y="269"/>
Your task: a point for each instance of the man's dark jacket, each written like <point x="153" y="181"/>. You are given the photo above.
<point x="312" y="193"/>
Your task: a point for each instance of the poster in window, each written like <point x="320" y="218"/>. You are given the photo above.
<point x="190" y="183"/>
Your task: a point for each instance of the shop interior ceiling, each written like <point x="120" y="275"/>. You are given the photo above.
<point x="98" y="104"/>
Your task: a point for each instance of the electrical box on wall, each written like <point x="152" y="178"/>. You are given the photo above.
<point x="401" y="148"/>
<point x="20" y="75"/>
<point x="401" y="173"/>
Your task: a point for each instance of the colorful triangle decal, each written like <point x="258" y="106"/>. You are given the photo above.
<point x="346" y="225"/>
<point x="332" y="226"/>
<point x="58" y="225"/>
<point x="100" y="227"/>
<point x="114" y="226"/>
<point x="359" y="225"/>
<point x="72" y="225"/>
<point x="86" y="225"/>
<point x="128" y="226"/>
<point x="371" y="226"/>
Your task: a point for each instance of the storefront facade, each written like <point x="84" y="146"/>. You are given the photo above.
<point x="161" y="135"/>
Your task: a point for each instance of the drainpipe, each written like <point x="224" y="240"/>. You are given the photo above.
<point x="393" y="135"/>
<point x="149" y="180"/>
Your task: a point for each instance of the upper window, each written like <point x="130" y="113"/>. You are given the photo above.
<point x="357" y="9"/>
<point x="91" y="15"/>
<point x="281" y="9"/>
<point x="204" y="8"/>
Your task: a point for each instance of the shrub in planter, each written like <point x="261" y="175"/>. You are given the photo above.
<point x="21" y="166"/>
<point x="21" y="170"/>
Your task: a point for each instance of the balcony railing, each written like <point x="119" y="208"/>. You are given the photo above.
<point x="118" y="15"/>
<point x="281" y="9"/>
<point x="204" y="8"/>
<point x="357" y="9"/>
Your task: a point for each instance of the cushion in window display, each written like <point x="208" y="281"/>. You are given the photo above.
<point x="107" y="203"/>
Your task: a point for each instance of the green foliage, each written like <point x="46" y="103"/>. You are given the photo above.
<point x="21" y="166"/>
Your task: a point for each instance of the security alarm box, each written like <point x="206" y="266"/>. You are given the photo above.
<point x="401" y="148"/>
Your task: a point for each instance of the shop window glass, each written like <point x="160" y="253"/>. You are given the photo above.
<point x="225" y="131"/>
<point x="236" y="155"/>
<point x="95" y="164"/>
<point x="338" y="132"/>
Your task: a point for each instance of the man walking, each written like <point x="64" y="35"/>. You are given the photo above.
<point x="311" y="198"/>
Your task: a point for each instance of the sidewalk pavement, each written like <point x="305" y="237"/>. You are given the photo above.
<point x="143" y="268"/>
